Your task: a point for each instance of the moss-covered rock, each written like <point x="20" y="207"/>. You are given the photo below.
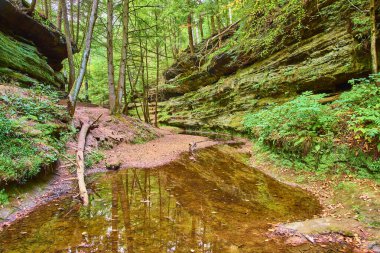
<point x="225" y="88"/>
<point x="22" y="62"/>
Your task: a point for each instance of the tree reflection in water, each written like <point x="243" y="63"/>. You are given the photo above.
<point x="214" y="204"/>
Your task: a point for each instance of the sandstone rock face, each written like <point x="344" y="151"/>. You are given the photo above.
<point x="220" y="94"/>
<point x="23" y="63"/>
<point x="31" y="48"/>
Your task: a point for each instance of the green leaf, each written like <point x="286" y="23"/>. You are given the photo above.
<point x="299" y="141"/>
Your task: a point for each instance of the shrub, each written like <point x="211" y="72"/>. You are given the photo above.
<point x="340" y="136"/>
<point x="295" y="126"/>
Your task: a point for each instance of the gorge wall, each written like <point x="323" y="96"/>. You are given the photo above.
<point x="33" y="126"/>
<point x="218" y="93"/>
<point x="31" y="48"/>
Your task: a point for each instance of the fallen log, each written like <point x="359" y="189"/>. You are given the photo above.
<point x="86" y="125"/>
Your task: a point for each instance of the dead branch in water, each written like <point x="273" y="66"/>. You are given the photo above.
<point x="80" y="159"/>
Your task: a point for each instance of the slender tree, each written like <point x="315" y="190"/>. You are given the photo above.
<point x="46" y="8"/>
<point x="190" y="29"/>
<point x="78" y="22"/>
<point x="200" y="25"/>
<point x="68" y="45"/>
<point x="373" y="36"/>
<point x="123" y="59"/>
<point x="157" y="70"/>
<point x="86" y="54"/>
<point x="111" y="68"/>
<point x="59" y="16"/>
<point x="213" y="26"/>
<point x="72" y="20"/>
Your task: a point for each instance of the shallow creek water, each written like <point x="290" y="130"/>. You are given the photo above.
<point x="213" y="204"/>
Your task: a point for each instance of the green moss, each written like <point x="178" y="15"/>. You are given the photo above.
<point x="17" y="57"/>
<point x="31" y="131"/>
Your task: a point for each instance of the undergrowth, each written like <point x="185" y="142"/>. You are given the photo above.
<point x="93" y="158"/>
<point x="3" y="197"/>
<point x="339" y="137"/>
<point x="32" y="132"/>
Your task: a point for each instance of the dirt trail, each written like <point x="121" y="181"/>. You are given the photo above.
<point x="154" y="153"/>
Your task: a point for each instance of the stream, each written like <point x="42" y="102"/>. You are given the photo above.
<point x="213" y="203"/>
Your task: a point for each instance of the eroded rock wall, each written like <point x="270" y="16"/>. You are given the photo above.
<point x="232" y="85"/>
<point x="32" y="50"/>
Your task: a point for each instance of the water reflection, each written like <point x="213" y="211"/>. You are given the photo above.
<point x="216" y="204"/>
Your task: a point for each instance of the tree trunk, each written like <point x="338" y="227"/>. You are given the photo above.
<point x="87" y="97"/>
<point x="190" y="33"/>
<point x="219" y="30"/>
<point x="123" y="60"/>
<point x="146" y="90"/>
<point x="86" y="54"/>
<point x="230" y="15"/>
<point x="59" y="16"/>
<point x="213" y="27"/>
<point x="32" y="7"/>
<point x="78" y="22"/>
<point x="373" y="36"/>
<point x="72" y="20"/>
<point x="46" y="7"/>
<point x="111" y="68"/>
<point x="157" y="72"/>
<point x="68" y="45"/>
<point x="200" y="25"/>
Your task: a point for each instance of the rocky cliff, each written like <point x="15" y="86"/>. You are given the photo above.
<point x="33" y="126"/>
<point x="218" y="92"/>
<point x="31" y="48"/>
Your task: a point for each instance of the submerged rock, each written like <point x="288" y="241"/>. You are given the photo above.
<point x="113" y="164"/>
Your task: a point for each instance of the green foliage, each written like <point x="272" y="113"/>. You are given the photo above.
<point x="31" y="132"/>
<point x="93" y="158"/>
<point x="342" y="136"/>
<point x="33" y="107"/>
<point x="363" y="105"/>
<point x="267" y="25"/>
<point x="18" y="156"/>
<point x="3" y="197"/>
<point x="294" y="126"/>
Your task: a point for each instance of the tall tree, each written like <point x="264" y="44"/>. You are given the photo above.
<point x="86" y="54"/>
<point x="200" y="25"/>
<point x="68" y="45"/>
<point x="78" y="22"/>
<point x="123" y="59"/>
<point x="213" y="26"/>
<point x="72" y="20"/>
<point x="373" y="36"/>
<point x="59" y="16"/>
<point x="190" y="28"/>
<point x="157" y="70"/>
<point x="46" y="8"/>
<point x="111" y="68"/>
